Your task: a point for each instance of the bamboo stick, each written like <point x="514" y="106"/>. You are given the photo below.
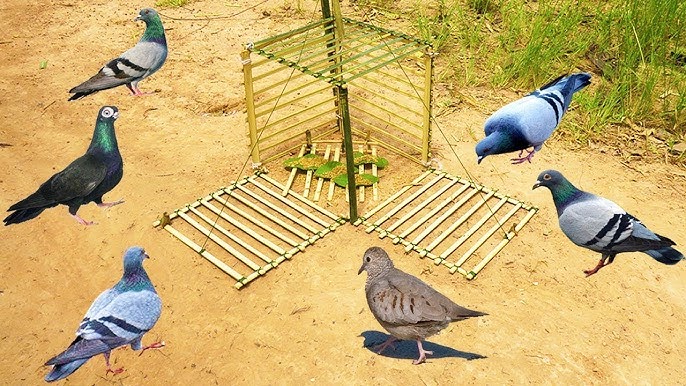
<point x="261" y="44"/>
<point x="487" y="235"/>
<point x="428" y="216"/>
<point x="388" y="112"/>
<point x="451" y="181"/>
<point x="291" y="149"/>
<point x="295" y="115"/>
<point x="393" y="197"/>
<point x="212" y="236"/>
<point x="361" y="168"/>
<point x="375" y="173"/>
<point x="406" y="201"/>
<point x="320" y="180"/>
<point x="443" y="235"/>
<point x="302" y="199"/>
<point x="284" y="102"/>
<point x="426" y="132"/>
<point x="248" y="230"/>
<point x="308" y="174"/>
<point x="397" y="125"/>
<point x="472" y="230"/>
<point x="390" y="100"/>
<point x="363" y="122"/>
<point x="258" y="222"/>
<point x="332" y="185"/>
<point x="202" y="252"/>
<point x="394" y="59"/>
<point x="294" y="171"/>
<point x="250" y="106"/>
<point x="381" y="29"/>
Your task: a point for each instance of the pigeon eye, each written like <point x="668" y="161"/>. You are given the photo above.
<point x="368" y="259"/>
<point x="107" y="112"/>
<point x="547" y="177"/>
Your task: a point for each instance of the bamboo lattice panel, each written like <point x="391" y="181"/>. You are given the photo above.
<point x="449" y="219"/>
<point x="248" y="228"/>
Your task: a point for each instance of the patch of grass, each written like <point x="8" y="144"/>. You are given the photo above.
<point x="170" y="3"/>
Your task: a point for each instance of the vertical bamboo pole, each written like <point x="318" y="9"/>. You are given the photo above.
<point x="348" y="143"/>
<point x="250" y="105"/>
<point x="426" y="124"/>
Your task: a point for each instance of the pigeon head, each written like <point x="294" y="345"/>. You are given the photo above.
<point x="551" y="179"/>
<point x="108" y="114"/>
<point x="376" y="262"/>
<point x="148" y="15"/>
<point x="133" y="258"/>
<point x="495" y="143"/>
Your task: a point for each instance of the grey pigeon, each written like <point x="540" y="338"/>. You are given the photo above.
<point x="86" y="179"/>
<point x="529" y="121"/>
<point x="121" y="315"/>
<point x="405" y="306"/>
<point x="600" y="225"/>
<point x="134" y="65"/>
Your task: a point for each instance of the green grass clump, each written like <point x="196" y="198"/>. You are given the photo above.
<point x="171" y="3"/>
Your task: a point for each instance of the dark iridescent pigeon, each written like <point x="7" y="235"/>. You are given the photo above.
<point x="134" y="65"/>
<point x="119" y="316"/>
<point x="405" y="306"/>
<point x="600" y="225"/>
<point x="86" y="179"/>
<point x="529" y="121"/>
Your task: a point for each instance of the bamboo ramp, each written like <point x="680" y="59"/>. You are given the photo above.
<point x="453" y="221"/>
<point x="249" y="227"/>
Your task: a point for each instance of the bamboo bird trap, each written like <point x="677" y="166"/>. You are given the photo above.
<point x="248" y="228"/>
<point x="449" y="220"/>
<point x="296" y="85"/>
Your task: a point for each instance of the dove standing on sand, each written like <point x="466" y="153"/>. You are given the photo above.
<point x="119" y="316"/>
<point x="600" y="225"/>
<point x="405" y="306"/>
<point x="86" y="179"/>
<point x="529" y="121"/>
<point x="134" y="65"/>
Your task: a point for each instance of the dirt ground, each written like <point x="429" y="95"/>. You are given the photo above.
<point x="306" y="321"/>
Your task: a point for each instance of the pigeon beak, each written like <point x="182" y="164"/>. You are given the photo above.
<point x="146" y="255"/>
<point x="361" y="269"/>
<point x="536" y="185"/>
<point x="115" y="115"/>
<point x="479" y="159"/>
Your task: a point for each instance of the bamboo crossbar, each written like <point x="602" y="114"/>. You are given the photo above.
<point x="277" y="209"/>
<point x="208" y="256"/>
<point x="438" y="221"/>
<point x="406" y="201"/>
<point x="451" y="181"/>
<point x="402" y="80"/>
<point x="381" y="61"/>
<point x="487" y="235"/>
<point x="234" y="238"/>
<point x="390" y="100"/>
<point x="472" y="230"/>
<point x="308" y="173"/>
<point x="213" y="236"/>
<point x="248" y="230"/>
<point x="284" y="102"/>
<point x="444" y="235"/>
<point x="302" y="46"/>
<point x="320" y="180"/>
<point x="294" y="76"/>
<point x="260" y="44"/>
<point x="364" y="53"/>
<point x="381" y="29"/>
<point x="389" y="112"/>
<point x="291" y="117"/>
<point x="362" y="122"/>
<point x="429" y="215"/>
<point x="292" y="205"/>
<point x="293" y="173"/>
<point x="302" y="199"/>
<point x="300" y="110"/>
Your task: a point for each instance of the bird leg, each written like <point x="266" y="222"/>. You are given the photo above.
<point x="389" y="342"/>
<point x="110" y="204"/>
<point x="601" y="264"/>
<point x="109" y="368"/>
<point x="82" y="221"/>
<point x="521" y="159"/>
<point x="422" y="353"/>
<point x="154" y="345"/>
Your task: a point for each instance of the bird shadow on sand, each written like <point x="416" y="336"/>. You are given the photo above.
<point x="407" y="349"/>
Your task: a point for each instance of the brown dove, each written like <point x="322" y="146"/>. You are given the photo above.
<point x="405" y="306"/>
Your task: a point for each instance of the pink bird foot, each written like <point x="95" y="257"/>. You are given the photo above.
<point x="109" y="368"/>
<point x="422" y="353"/>
<point x="110" y="204"/>
<point x="82" y="221"/>
<point x="389" y="342"/>
<point x="155" y="345"/>
<point x="521" y="159"/>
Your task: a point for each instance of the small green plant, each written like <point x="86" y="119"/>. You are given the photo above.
<point x="171" y="3"/>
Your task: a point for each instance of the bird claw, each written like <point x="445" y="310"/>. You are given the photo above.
<point x="381" y="347"/>
<point x="521" y="159"/>
<point x="82" y="221"/>
<point x="115" y="371"/>
<point x="155" y="345"/>
<point x="110" y="204"/>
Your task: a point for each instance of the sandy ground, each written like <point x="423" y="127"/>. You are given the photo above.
<point x="307" y="321"/>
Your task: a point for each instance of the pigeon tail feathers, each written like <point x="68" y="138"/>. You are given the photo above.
<point x="64" y="370"/>
<point x="22" y="215"/>
<point x="667" y="255"/>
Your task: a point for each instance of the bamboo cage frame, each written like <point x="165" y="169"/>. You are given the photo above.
<point x="418" y="205"/>
<point x="301" y="225"/>
<point x="338" y="76"/>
